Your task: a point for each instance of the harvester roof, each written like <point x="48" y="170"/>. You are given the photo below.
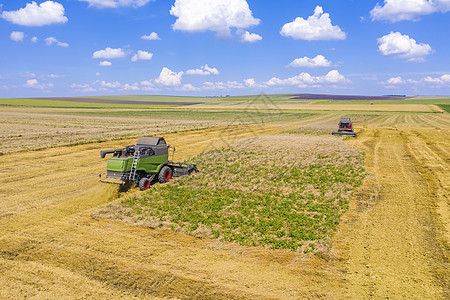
<point x="150" y="141"/>
<point x="345" y="120"/>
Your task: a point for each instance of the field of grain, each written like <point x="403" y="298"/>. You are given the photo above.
<point x="290" y="105"/>
<point x="391" y="242"/>
<point x="23" y="129"/>
<point x="36" y="124"/>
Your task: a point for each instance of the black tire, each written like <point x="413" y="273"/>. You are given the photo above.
<point x="165" y="174"/>
<point x="144" y="183"/>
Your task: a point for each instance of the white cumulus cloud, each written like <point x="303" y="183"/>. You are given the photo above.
<point x="105" y="63"/>
<point x="189" y="88"/>
<point x="316" y="27"/>
<point x="61" y="44"/>
<point x="29" y="75"/>
<point x="204" y="70"/>
<point x="142" y="55"/>
<point x="55" y="76"/>
<point x="31" y="82"/>
<point x="395" y="80"/>
<point x="218" y="16"/>
<point x="116" y="3"/>
<point x="107" y="84"/>
<point x="169" y="78"/>
<point x="82" y="87"/>
<point x="305" y="79"/>
<point x="52" y="40"/>
<point x="34" y="39"/>
<point x="250" y="37"/>
<point x="147" y="82"/>
<point x="433" y="82"/>
<point x="399" y="10"/>
<point x="17" y="36"/>
<point x="46" y="13"/>
<point x="251" y="83"/>
<point x="399" y="45"/>
<point x="151" y="37"/>
<point x="130" y="87"/>
<point x="333" y="77"/>
<point x="219" y="85"/>
<point x="444" y="79"/>
<point x="318" y="61"/>
<point x="34" y="83"/>
<point x="109" y="53"/>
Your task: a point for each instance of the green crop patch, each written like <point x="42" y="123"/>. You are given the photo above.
<point x="280" y="192"/>
<point x="445" y="107"/>
<point x="72" y="104"/>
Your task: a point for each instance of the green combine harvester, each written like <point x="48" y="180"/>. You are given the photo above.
<point x="143" y="163"/>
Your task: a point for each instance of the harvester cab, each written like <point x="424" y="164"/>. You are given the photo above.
<point x="345" y="128"/>
<point x="143" y="163"/>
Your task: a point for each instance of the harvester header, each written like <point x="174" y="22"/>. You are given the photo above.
<point x="345" y="128"/>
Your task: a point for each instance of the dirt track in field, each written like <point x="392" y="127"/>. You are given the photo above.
<point x="392" y="243"/>
<point x="394" y="237"/>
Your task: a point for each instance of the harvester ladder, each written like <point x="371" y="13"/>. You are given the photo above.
<point x="136" y="157"/>
<point x="171" y="153"/>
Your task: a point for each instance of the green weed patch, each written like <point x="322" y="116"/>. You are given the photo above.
<point x="445" y="107"/>
<point x="281" y="192"/>
<point x="71" y="104"/>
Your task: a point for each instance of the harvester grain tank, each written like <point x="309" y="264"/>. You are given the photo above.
<point x="143" y="163"/>
<point x="345" y="128"/>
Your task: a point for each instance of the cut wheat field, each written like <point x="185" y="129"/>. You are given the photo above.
<point x="391" y="241"/>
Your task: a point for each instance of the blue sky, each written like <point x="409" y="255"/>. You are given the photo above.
<point x="204" y="47"/>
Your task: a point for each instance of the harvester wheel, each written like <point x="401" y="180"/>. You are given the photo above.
<point x="165" y="174"/>
<point x="144" y="183"/>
